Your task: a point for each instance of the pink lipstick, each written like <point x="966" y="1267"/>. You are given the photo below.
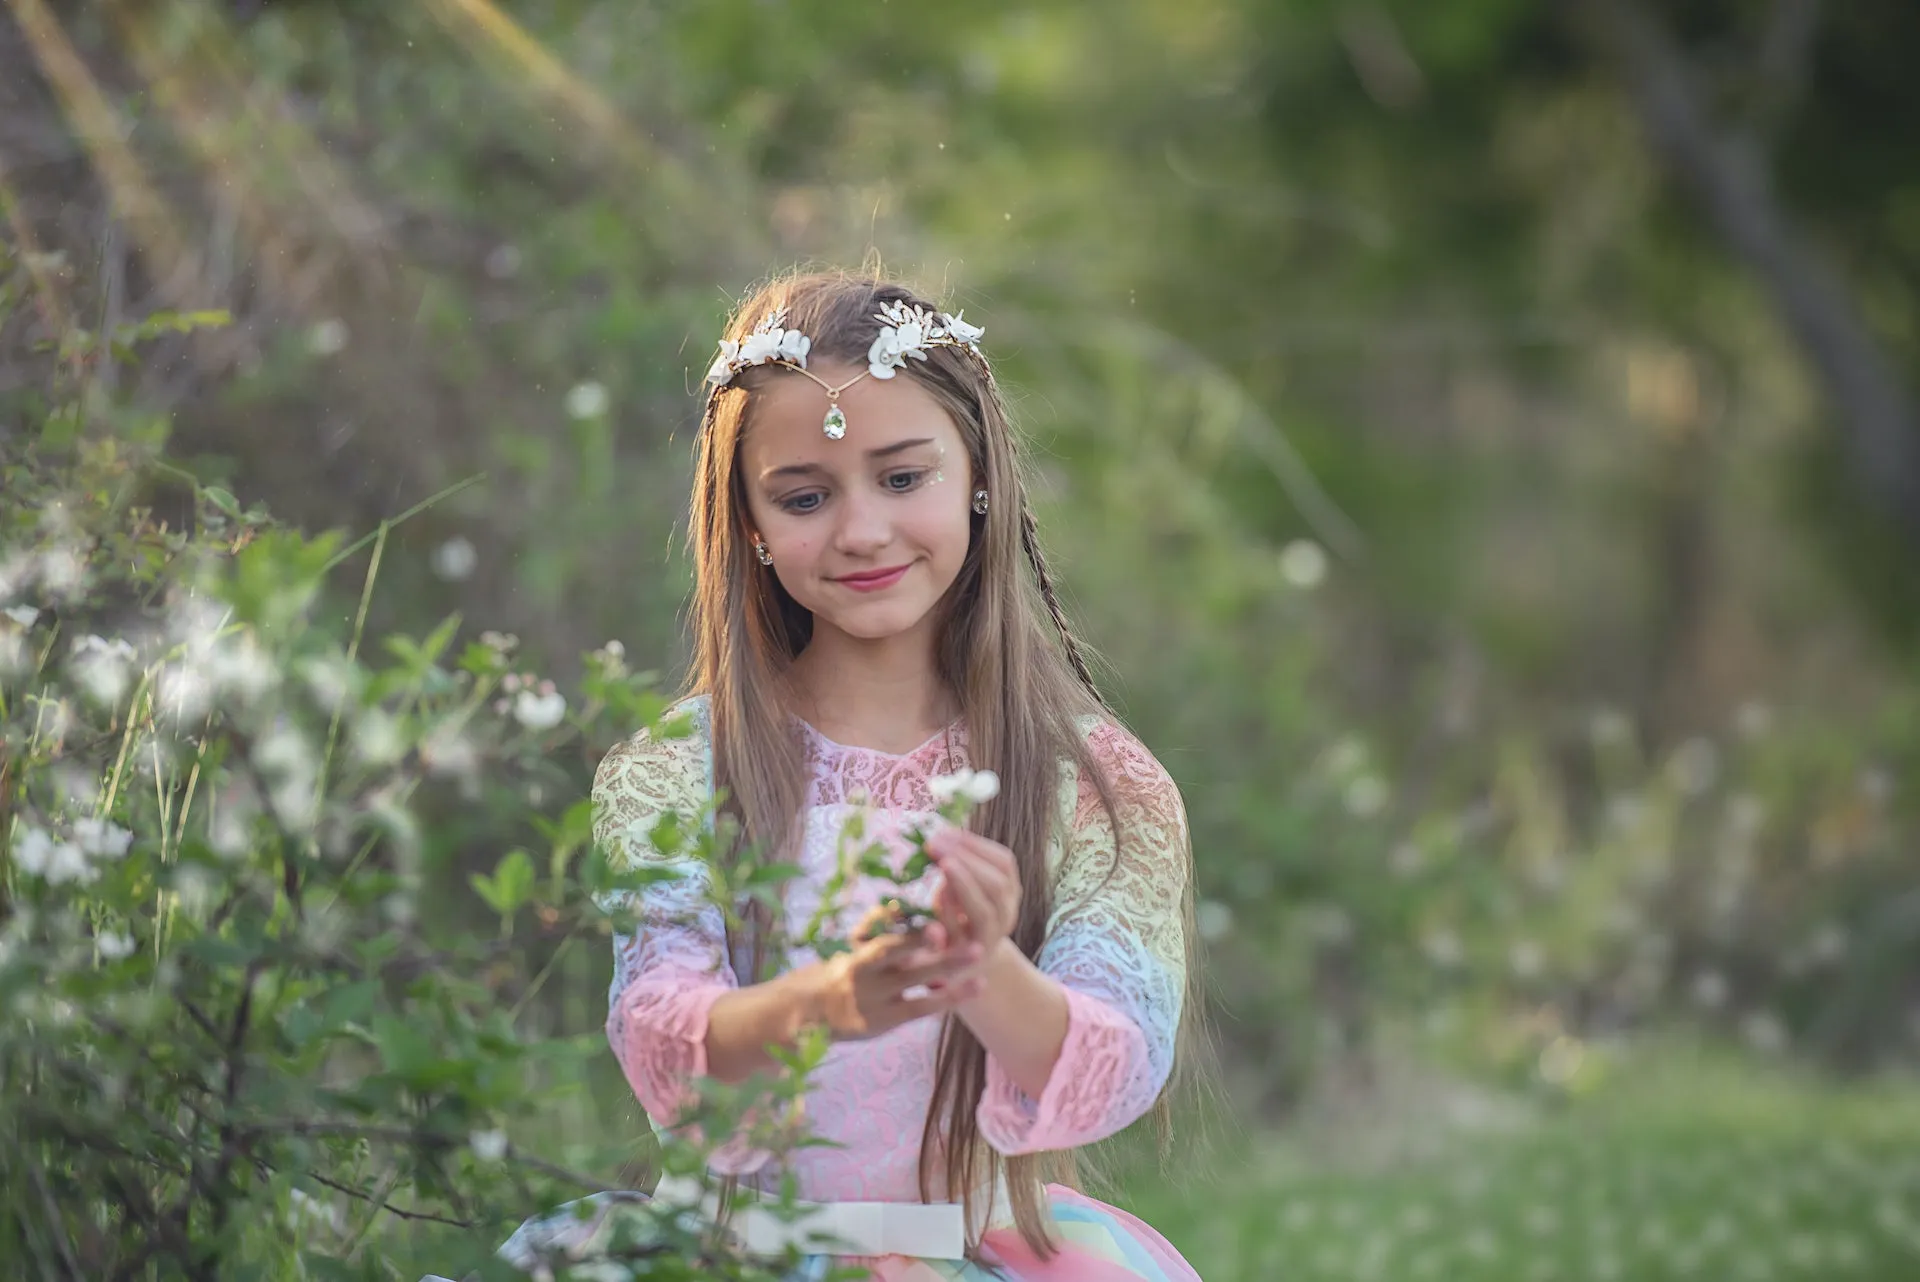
<point x="873" y="580"/>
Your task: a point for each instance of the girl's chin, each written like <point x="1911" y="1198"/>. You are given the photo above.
<point x="888" y="620"/>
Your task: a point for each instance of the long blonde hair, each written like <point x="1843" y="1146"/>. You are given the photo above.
<point x="1005" y="650"/>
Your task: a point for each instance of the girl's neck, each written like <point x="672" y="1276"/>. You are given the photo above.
<point x="884" y="694"/>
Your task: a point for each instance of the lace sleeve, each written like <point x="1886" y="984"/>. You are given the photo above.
<point x="670" y="971"/>
<point x="1115" y="943"/>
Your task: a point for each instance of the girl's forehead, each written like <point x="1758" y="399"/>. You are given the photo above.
<point x="786" y="424"/>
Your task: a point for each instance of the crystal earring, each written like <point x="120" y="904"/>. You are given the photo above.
<point x="980" y="502"/>
<point x="760" y="550"/>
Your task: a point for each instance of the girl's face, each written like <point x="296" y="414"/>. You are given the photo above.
<point x="868" y="531"/>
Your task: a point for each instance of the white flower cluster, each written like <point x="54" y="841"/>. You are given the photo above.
<point x="972" y="785"/>
<point x="536" y="704"/>
<point x="38" y="854"/>
<point x="104" y="668"/>
<point x="768" y="342"/>
<point x="909" y="331"/>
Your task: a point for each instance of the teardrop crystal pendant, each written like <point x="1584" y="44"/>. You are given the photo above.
<point x="835" y="424"/>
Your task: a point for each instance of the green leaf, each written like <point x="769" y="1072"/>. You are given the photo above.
<point x="349" y="1004"/>
<point x="510" y="885"/>
<point x="221" y="499"/>
<point x="440" y="638"/>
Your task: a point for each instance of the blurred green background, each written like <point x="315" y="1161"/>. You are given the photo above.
<point x="1480" y="437"/>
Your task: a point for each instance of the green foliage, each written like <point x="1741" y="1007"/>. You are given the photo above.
<point x="231" y="1043"/>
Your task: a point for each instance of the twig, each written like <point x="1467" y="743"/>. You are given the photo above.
<point x="53" y="1219"/>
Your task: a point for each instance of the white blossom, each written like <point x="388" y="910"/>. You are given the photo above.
<point x="503" y="260"/>
<point x="31" y="850"/>
<point x="62" y="571"/>
<point x="1609" y="726"/>
<point x="24" y="615"/>
<point x="600" y="1271"/>
<point x="327" y="337"/>
<point x="377" y="739"/>
<point x="1366" y="796"/>
<point x="445" y="751"/>
<point x="1753" y="719"/>
<point x="1212" y="919"/>
<point x="38" y="854"/>
<point x="489" y="1146"/>
<point x="67" y="862"/>
<point x="305" y="1208"/>
<point x="883" y="354"/>
<point x="1303" y="563"/>
<point x="244" y="668"/>
<point x="586" y="400"/>
<point x="1695" y="766"/>
<point x="195" y="888"/>
<point x="284" y="751"/>
<point x="1710" y="989"/>
<point x="973" y="785"/>
<point x="184" y="691"/>
<point x="1764" y="1031"/>
<point x="13" y="654"/>
<point x="1442" y="947"/>
<point x="455" y="559"/>
<point x="725" y="365"/>
<point x="113" y="945"/>
<point x="103" y="668"/>
<point x="960" y="330"/>
<point x="333" y="679"/>
<point x="231" y="828"/>
<point x="16" y="572"/>
<point x="539" y="711"/>
<point x="761" y="346"/>
<point x="101" y="839"/>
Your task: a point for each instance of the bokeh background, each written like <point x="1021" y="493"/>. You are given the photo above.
<point x="1481" y="438"/>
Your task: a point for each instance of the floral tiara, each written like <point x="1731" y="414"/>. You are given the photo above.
<point x="906" y="333"/>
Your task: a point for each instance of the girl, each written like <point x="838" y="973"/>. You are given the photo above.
<point x="871" y="611"/>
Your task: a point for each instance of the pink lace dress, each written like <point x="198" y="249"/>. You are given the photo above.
<point x="1114" y="944"/>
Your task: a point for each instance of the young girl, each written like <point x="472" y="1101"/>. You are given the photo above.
<point x="872" y="611"/>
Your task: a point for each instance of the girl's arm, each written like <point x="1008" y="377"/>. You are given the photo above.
<point x="1021" y="1018"/>
<point x="1081" y="1041"/>
<point x="671" y="972"/>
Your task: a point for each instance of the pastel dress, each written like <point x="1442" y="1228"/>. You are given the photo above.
<point x="1114" y="943"/>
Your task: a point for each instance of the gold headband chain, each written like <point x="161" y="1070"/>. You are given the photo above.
<point x="906" y="333"/>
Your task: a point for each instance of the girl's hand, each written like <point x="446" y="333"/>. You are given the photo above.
<point x="890" y="979"/>
<point x="979" y="895"/>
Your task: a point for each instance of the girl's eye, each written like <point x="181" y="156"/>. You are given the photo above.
<point x="801" y="503"/>
<point x="902" y="482"/>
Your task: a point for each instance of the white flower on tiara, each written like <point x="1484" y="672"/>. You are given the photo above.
<point x="768" y="342"/>
<point x="909" y="331"/>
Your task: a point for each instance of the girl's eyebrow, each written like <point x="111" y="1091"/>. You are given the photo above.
<point x="804" y="469"/>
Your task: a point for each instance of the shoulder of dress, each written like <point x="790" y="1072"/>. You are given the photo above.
<point x="681" y="757"/>
<point x="1118" y="751"/>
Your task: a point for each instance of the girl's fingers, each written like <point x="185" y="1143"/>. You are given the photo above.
<point x="962" y="878"/>
<point x="946" y="903"/>
<point x="926" y="1001"/>
<point x="990" y="899"/>
<point x="994" y="854"/>
<point x="956" y="963"/>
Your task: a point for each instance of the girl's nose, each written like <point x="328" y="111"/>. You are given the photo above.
<point x="863" y="526"/>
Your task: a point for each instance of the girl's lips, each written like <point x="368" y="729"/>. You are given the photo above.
<point x="874" y="580"/>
